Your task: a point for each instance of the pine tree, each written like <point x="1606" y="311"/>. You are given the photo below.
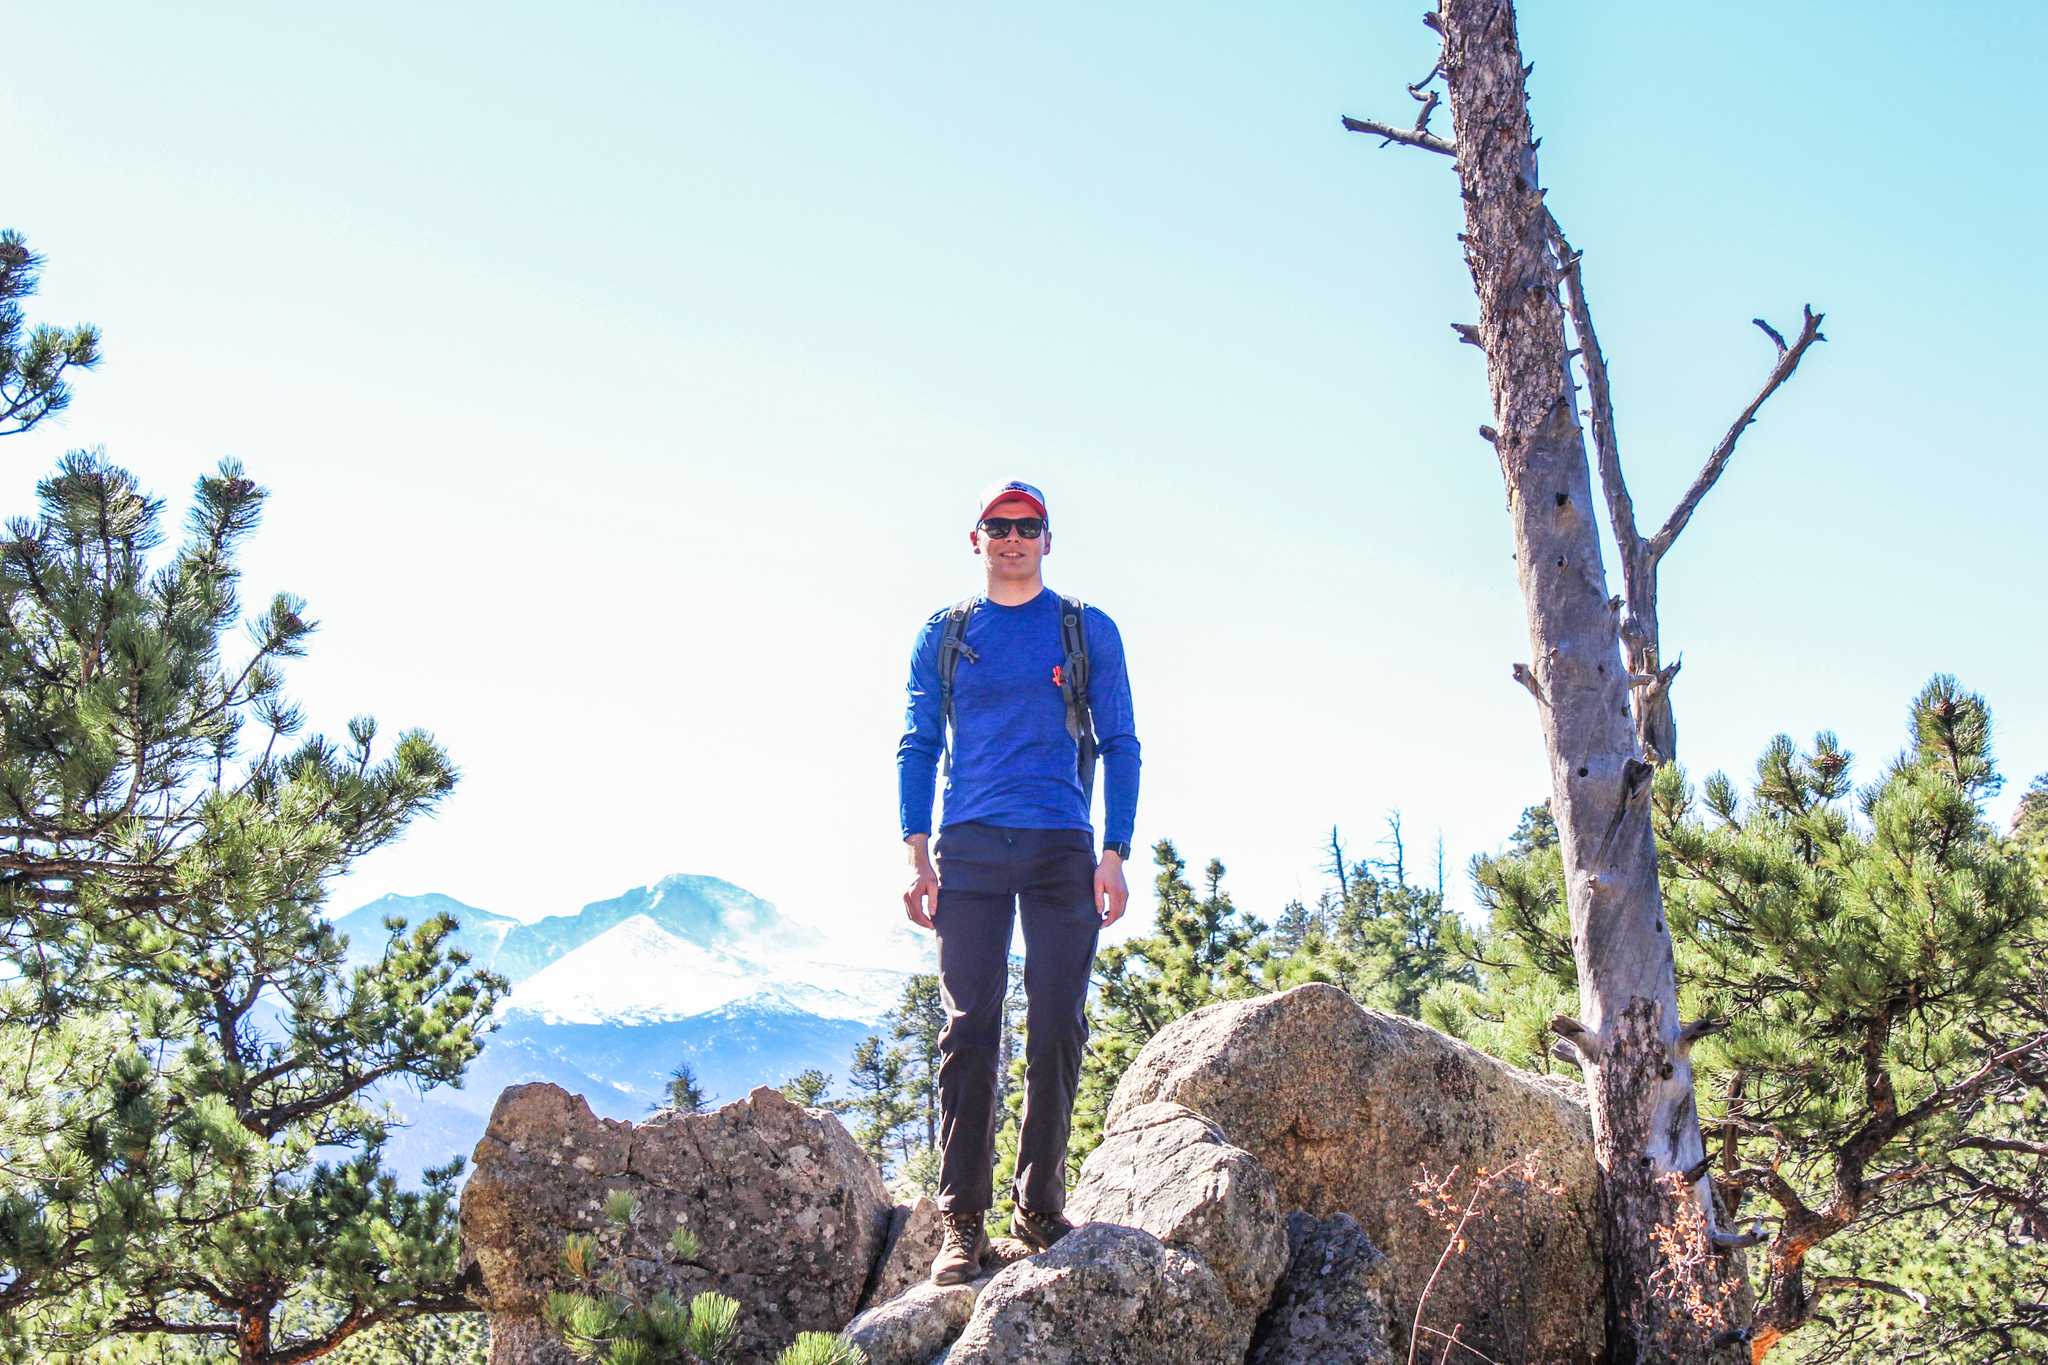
<point x="1385" y="941"/>
<point x="2030" y="820"/>
<point x="811" y="1088"/>
<point x="916" y="1022"/>
<point x="449" y="1339"/>
<point x="35" y="362"/>
<point x="1521" y="970"/>
<point x="683" y="1095"/>
<point x="880" y="1100"/>
<point x="607" y="1318"/>
<point x="1293" y="927"/>
<point x="1595" y="663"/>
<point x="1883" y="1006"/>
<point x="1874" y="1071"/>
<point x="192" y="1146"/>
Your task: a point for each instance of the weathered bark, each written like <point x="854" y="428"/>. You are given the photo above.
<point x="253" y="1341"/>
<point x="1646" y="1130"/>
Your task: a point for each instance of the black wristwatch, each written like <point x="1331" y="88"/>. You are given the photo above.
<point x="1121" y="850"/>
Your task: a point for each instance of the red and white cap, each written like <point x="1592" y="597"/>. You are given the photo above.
<point x="1015" y="488"/>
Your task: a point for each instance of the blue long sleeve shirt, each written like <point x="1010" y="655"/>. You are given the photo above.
<point x="1014" y="764"/>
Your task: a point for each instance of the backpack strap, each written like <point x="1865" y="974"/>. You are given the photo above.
<point x="1074" y="687"/>
<point x="953" y="647"/>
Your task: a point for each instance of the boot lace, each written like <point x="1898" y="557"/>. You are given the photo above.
<point x="962" y="1228"/>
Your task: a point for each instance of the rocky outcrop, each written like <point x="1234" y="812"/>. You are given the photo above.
<point x="1105" y="1295"/>
<point x="1332" y="1302"/>
<point x="1347" y="1108"/>
<point x="789" y="1212"/>
<point x="1185" y="1250"/>
<point x="1167" y="1170"/>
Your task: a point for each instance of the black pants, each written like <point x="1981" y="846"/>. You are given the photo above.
<point x="985" y="874"/>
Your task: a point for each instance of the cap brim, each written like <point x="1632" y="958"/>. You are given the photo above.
<point x="1010" y="493"/>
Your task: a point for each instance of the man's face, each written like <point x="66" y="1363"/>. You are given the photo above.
<point x="1012" y="556"/>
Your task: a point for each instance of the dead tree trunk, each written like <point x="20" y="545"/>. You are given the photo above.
<point x="1669" y="1287"/>
<point x="1632" y="1045"/>
<point x="1650" y="677"/>
<point x="1601" y="687"/>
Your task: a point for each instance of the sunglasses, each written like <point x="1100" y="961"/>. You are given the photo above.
<point x="996" y="528"/>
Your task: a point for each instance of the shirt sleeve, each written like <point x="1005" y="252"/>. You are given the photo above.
<point x="917" y="752"/>
<point x="1116" y="732"/>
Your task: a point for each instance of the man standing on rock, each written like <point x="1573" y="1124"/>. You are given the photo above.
<point x="1019" y="689"/>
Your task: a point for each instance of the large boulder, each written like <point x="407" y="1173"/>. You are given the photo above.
<point x="1104" y="1295"/>
<point x="1332" y="1302"/>
<point x="788" y="1211"/>
<point x="1166" y="1169"/>
<point x="1350" y="1109"/>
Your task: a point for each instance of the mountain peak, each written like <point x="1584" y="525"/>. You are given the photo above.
<point x="416" y="908"/>
<point x="634" y="971"/>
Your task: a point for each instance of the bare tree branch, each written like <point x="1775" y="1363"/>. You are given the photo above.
<point x="1621" y="511"/>
<point x="1582" y="1039"/>
<point x="1788" y="361"/>
<point x="1407" y="137"/>
<point x="1427" y="97"/>
<point x="1735" y="1241"/>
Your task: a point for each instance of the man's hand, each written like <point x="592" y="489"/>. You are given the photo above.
<point x="921" y="901"/>
<point x="1111" y="895"/>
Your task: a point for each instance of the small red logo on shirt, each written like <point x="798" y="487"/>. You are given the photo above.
<point x="1059" y="676"/>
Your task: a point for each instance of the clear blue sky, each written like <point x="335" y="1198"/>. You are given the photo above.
<point x="622" y="374"/>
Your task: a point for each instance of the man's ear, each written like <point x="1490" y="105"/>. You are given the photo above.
<point x="974" y="539"/>
<point x="1047" y="542"/>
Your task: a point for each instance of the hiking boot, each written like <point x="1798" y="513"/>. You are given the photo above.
<point x="964" y="1234"/>
<point x="1038" y="1230"/>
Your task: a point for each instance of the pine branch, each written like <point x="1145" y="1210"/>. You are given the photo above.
<point x="1833" y="1284"/>
<point x="1985" y="1144"/>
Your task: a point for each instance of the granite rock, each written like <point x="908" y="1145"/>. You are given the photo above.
<point x="789" y="1212"/>
<point x="1332" y="1303"/>
<point x="1166" y="1169"/>
<point x="1104" y="1295"/>
<point x="1348" y="1108"/>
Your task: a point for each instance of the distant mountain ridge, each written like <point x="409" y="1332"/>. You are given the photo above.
<point x="606" y="1001"/>
<point x="707" y="911"/>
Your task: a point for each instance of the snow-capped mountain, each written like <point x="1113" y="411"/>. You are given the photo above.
<point x="638" y="972"/>
<point x="669" y="950"/>
<point x="607" y="1001"/>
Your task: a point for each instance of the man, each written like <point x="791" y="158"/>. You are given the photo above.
<point x="1016" y="842"/>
